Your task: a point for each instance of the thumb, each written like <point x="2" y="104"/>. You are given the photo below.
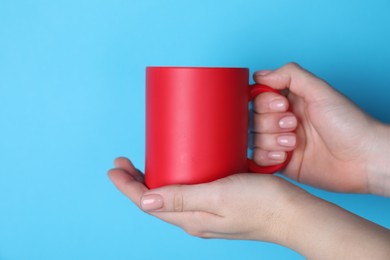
<point x="298" y="80"/>
<point x="179" y="198"/>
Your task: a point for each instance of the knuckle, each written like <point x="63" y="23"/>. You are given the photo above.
<point x="293" y="65"/>
<point x="260" y="105"/>
<point x="177" y="202"/>
<point x="260" y="141"/>
<point x="259" y="156"/>
<point x="259" y="123"/>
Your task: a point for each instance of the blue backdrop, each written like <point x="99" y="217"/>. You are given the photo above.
<point x="72" y="99"/>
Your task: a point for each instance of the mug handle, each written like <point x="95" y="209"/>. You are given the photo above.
<point x="255" y="90"/>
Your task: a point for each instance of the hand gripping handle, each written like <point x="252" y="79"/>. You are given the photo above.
<point x="253" y="167"/>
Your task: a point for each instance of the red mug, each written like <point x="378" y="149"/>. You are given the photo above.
<point x="197" y="124"/>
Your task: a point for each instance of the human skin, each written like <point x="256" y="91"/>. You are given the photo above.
<point x="257" y="207"/>
<point x="337" y="147"/>
<point x="340" y="148"/>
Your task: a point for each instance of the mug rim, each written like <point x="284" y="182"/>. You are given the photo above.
<point x="197" y="67"/>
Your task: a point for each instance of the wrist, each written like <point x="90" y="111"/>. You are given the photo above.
<point x="292" y="231"/>
<point x="378" y="163"/>
<point x="322" y="230"/>
<point x="283" y="218"/>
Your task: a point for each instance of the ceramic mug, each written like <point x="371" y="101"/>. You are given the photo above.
<point x="197" y="124"/>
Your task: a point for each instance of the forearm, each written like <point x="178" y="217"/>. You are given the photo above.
<point x="321" y="230"/>
<point x="378" y="164"/>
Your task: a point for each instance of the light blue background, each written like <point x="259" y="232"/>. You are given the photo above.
<point x="72" y="99"/>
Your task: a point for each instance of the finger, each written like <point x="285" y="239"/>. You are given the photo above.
<point x="270" y="102"/>
<point x="127" y="165"/>
<point x="124" y="163"/>
<point x="181" y="198"/>
<point x="267" y="158"/>
<point x="128" y="185"/>
<point x="300" y="81"/>
<point x="275" y="142"/>
<point x="274" y="122"/>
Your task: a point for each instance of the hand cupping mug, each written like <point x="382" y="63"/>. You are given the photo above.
<point x="197" y="124"/>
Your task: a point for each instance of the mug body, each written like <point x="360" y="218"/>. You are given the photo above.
<point x="196" y="124"/>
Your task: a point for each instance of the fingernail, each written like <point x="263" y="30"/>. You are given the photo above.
<point x="277" y="156"/>
<point x="151" y="202"/>
<point x="278" y="105"/>
<point x="288" y="122"/>
<point x="287" y="140"/>
<point x="262" y="72"/>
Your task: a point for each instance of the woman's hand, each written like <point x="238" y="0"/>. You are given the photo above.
<point x="257" y="207"/>
<point x="339" y="147"/>
<point x="242" y="206"/>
